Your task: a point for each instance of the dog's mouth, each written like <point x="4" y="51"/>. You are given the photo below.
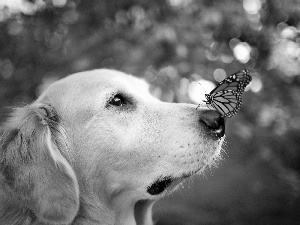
<point x="161" y="184"/>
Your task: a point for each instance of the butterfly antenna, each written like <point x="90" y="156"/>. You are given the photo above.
<point x="202" y="87"/>
<point x="203" y="100"/>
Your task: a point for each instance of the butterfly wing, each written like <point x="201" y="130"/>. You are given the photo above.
<point x="236" y="82"/>
<point x="227" y="96"/>
<point x="228" y="103"/>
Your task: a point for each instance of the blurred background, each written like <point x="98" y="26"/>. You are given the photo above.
<point x="175" y="45"/>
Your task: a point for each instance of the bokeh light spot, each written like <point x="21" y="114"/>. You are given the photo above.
<point x="179" y="3"/>
<point x="289" y="32"/>
<point x="26" y="7"/>
<point x="242" y="52"/>
<point x="59" y="3"/>
<point x="219" y="75"/>
<point x="210" y="56"/>
<point x="227" y="58"/>
<point x="198" y="89"/>
<point x="255" y="85"/>
<point x="233" y="42"/>
<point x="252" y="6"/>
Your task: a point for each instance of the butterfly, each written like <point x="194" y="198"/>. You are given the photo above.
<point x="227" y="96"/>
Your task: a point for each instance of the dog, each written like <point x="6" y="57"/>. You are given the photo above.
<point x="97" y="148"/>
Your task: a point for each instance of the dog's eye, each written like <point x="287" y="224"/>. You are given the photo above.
<point x="117" y="100"/>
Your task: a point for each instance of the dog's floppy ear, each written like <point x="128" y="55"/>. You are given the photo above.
<point x="38" y="180"/>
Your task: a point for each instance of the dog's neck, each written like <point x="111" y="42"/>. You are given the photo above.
<point x="95" y="213"/>
<point x="95" y="209"/>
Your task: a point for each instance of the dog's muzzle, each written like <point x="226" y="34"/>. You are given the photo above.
<point x="214" y="123"/>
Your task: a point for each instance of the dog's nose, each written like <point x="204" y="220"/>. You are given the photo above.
<point x="214" y="122"/>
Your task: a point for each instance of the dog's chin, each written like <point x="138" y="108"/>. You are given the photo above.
<point x="165" y="184"/>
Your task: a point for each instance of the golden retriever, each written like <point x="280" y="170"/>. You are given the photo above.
<point x="97" y="148"/>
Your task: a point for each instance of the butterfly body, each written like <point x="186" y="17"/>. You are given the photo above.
<point x="227" y="96"/>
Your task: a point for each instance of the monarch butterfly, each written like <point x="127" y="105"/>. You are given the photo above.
<point x="227" y="96"/>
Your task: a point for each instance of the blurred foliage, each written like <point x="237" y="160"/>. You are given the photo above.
<point x="173" y="43"/>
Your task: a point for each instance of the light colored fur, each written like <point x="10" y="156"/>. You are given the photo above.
<point x="70" y="157"/>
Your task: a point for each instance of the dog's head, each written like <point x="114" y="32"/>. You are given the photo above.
<point x="102" y="134"/>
